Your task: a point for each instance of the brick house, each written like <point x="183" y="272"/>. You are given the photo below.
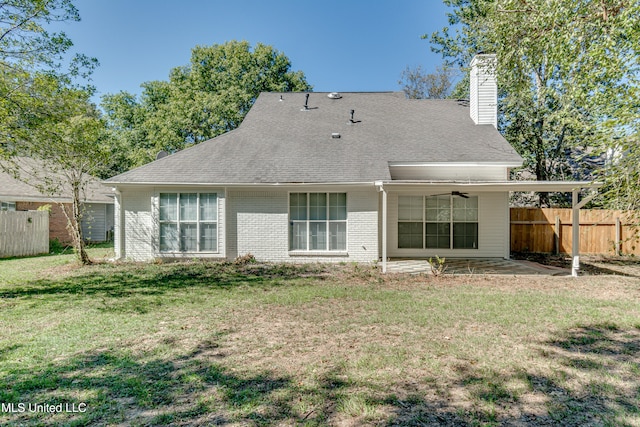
<point x="97" y="225"/>
<point x="333" y="177"/>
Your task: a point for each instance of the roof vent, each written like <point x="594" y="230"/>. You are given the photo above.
<point x="306" y="103"/>
<point x="352" y="120"/>
<point x="335" y="135"/>
<point x="334" y="95"/>
<point x="161" y="154"/>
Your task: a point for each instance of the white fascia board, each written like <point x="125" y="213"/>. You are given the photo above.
<point x="486" y="186"/>
<point x="281" y="185"/>
<point x="245" y="184"/>
<point x="508" y="164"/>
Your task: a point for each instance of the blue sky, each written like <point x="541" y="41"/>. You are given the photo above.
<point x="340" y="45"/>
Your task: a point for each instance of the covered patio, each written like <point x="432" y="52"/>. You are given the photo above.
<point x="478" y="187"/>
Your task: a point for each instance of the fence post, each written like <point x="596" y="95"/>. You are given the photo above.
<point x="556" y="237"/>
<point x="618" y="237"/>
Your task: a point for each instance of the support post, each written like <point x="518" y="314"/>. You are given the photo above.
<point x="575" y="231"/>
<point x="384" y="229"/>
<point x="556" y="237"/>
<point x="575" y="226"/>
<point x="618" y="236"/>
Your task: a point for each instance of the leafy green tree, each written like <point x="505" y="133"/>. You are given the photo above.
<point x="417" y="84"/>
<point x="23" y="37"/>
<point x="209" y="96"/>
<point x="45" y="116"/>
<point x="127" y="137"/>
<point x="68" y="153"/>
<point x="567" y="71"/>
<point x="32" y="64"/>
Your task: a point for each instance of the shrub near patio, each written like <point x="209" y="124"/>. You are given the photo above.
<point x="199" y="343"/>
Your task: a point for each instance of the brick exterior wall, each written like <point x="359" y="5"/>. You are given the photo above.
<point x="255" y="222"/>
<point x="258" y="223"/>
<point x="57" y="218"/>
<point x="139" y="227"/>
<point x="139" y="210"/>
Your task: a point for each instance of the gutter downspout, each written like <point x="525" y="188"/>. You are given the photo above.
<point x="381" y="189"/>
<point x="119" y="226"/>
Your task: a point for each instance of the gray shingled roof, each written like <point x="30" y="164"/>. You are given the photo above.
<point x="12" y="189"/>
<point x="279" y="142"/>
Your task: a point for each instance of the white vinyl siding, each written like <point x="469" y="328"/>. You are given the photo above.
<point x="94" y="221"/>
<point x="438" y="222"/>
<point x="492" y="214"/>
<point x="483" y="91"/>
<point x="453" y="173"/>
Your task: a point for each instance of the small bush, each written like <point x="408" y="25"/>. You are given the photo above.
<point x="56" y="247"/>
<point x="245" y="259"/>
<point x="437" y="267"/>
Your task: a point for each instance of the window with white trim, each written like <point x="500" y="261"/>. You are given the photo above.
<point x="438" y="222"/>
<point x="188" y="222"/>
<point x="7" y="206"/>
<point x="318" y="221"/>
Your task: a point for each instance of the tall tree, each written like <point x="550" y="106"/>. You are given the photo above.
<point x="417" y="84"/>
<point x="63" y="155"/>
<point x="44" y="114"/>
<point x="209" y="96"/>
<point x="567" y="70"/>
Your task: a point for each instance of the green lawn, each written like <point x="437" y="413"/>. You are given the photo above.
<point x="199" y="343"/>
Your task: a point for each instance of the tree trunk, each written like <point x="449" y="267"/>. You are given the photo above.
<point x="75" y="228"/>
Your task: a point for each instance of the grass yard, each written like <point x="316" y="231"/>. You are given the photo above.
<point x="199" y="343"/>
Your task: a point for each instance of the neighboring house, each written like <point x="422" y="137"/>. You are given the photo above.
<point x="97" y="224"/>
<point x="332" y="177"/>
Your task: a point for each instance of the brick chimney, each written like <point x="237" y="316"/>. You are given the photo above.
<point x="483" y="90"/>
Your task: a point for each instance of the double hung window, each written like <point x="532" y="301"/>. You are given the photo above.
<point x="188" y="222"/>
<point x="318" y="221"/>
<point x="438" y="222"/>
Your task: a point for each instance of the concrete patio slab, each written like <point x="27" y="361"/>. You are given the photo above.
<point x="476" y="266"/>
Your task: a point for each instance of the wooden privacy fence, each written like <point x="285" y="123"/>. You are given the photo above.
<point x="24" y="233"/>
<point x="606" y="232"/>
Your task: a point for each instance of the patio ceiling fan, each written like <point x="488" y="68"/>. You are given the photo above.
<point x="454" y="193"/>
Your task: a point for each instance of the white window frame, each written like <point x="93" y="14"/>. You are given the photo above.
<point x="197" y="221"/>
<point x="7" y="206"/>
<point x="327" y="221"/>
<point x="424" y="222"/>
